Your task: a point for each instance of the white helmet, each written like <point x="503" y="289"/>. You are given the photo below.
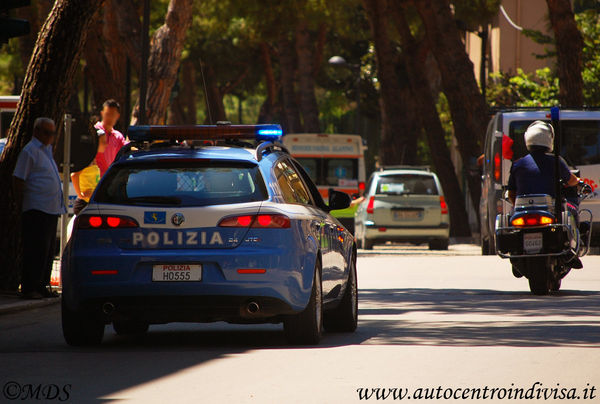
<point x="540" y="134"/>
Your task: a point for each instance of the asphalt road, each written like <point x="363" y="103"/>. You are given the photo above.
<point x="444" y="321"/>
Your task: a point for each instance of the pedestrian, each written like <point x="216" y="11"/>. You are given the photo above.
<point x="86" y="180"/>
<point x="111" y="111"/>
<point x="38" y="193"/>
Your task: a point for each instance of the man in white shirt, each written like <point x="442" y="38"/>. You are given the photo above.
<point x="38" y="192"/>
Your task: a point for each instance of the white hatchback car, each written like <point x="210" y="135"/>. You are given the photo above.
<point x="403" y="204"/>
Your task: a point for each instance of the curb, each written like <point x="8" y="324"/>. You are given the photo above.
<point x="21" y="305"/>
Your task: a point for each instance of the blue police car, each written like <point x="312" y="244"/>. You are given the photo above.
<point x="208" y="223"/>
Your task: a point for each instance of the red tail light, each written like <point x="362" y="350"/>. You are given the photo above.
<point x="361" y="186"/>
<point x="443" y="205"/>
<point x="257" y="221"/>
<point x="104" y="222"/>
<point x="532" y="219"/>
<point x="497" y="166"/>
<point x="371" y="205"/>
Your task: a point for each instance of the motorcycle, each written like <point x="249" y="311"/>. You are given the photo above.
<point x="540" y="247"/>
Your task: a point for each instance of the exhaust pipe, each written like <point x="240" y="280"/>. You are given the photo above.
<point x="252" y="308"/>
<point x="108" y="308"/>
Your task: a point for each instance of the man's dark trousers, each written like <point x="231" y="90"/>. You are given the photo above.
<point x="39" y="240"/>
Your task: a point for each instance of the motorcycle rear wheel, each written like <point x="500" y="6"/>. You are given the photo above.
<point x="539" y="277"/>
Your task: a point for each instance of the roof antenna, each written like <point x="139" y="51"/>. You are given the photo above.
<point x="210" y="121"/>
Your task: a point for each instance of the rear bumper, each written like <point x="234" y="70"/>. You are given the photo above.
<point x="207" y="308"/>
<point x="376" y="232"/>
<point x="222" y="294"/>
<point x="555" y="241"/>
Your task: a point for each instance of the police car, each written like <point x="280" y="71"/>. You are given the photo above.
<point x="208" y="223"/>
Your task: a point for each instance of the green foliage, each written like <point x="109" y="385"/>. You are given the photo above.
<point x="523" y="90"/>
<point x="10" y="67"/>
<point x="471" y="14"/>
<point x="589" y="25"/>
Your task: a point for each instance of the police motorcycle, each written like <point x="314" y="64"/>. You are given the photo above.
<point x="544" y="237"/>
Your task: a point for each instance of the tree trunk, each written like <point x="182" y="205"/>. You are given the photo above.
<point x="46" y="90"/>
<point x="36" y="14"/>
<point x="105" y="61"/>
<point x="467" y="105"/>
<point x="430" y="120"/>
<point x="129" y="30"/>
<point x="182" y="111"/>
<point x="267" y="110"/>
<point x="399" y="126"/>
<point x="569" y="52"/>
<point x="215" y="109"/>
<point x="165" y="56"/>
<point x="291" y="113"/>
<point x="306" y="80"/>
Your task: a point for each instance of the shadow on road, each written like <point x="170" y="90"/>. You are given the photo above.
<point x="480" y="317"/>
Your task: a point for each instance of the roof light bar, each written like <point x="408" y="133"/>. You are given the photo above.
<point x="141" y="133"/>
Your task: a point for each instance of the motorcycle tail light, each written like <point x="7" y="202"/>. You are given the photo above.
<point x="532" y="219"/>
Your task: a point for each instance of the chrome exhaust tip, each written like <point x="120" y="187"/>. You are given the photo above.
<point x="108" y="308"/>
<point x="252" y="308"/>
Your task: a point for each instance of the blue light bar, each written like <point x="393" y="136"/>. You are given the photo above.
<point x="269" y="132"/>
<point x="148" y="133"/>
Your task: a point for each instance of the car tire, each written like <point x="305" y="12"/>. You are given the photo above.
<point x="438" y="244"/>
<point x="306" y="327"/>
<point x="485" y="247"/>
<point x="130" y="327"/>
<point x="344" y="318"/>
<point x="366" y="243"/>
<point x="81" y="328"/>
<point x="555" y="285"/>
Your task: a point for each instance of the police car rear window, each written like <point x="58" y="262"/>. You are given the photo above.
<point x="182" y="184"/>
<point x="406" y="184"/>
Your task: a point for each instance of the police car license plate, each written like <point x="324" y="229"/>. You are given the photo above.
<point x="176" y="273"/>
<point x="532" y="243"/>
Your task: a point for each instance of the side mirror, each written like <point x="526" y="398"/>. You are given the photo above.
<point x="338" y="200"/>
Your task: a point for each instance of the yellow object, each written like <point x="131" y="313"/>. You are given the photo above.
<point x="88" y="179"/>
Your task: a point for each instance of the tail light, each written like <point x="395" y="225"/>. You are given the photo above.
<point x="443" y="205"/>
<point x="361" y="186"/>
<point x="371" y="205"/>
<point x="104" y="222"/>
<point x="257" y="221"/>
<point x="532" y="219"/>
<point x="497" y="166"/>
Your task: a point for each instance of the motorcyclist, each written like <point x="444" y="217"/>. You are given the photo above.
<point x="534" y="173"/>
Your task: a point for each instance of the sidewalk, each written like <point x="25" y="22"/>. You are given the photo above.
<point x="11" y="303"/>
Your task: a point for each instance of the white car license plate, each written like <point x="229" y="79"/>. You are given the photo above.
<point x="407" y="214"/>
<point x="532" y="243"/>
<point x="176" y="273"/>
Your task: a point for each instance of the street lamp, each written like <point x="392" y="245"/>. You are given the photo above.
<point x="339" y="61"/>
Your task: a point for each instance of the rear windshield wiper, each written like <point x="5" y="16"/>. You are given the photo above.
<point x="158" y="200"/>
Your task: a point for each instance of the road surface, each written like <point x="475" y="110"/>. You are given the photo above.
<point x="452" y="322"/>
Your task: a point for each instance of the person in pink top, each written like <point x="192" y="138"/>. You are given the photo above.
<point x="111" y="111"/>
